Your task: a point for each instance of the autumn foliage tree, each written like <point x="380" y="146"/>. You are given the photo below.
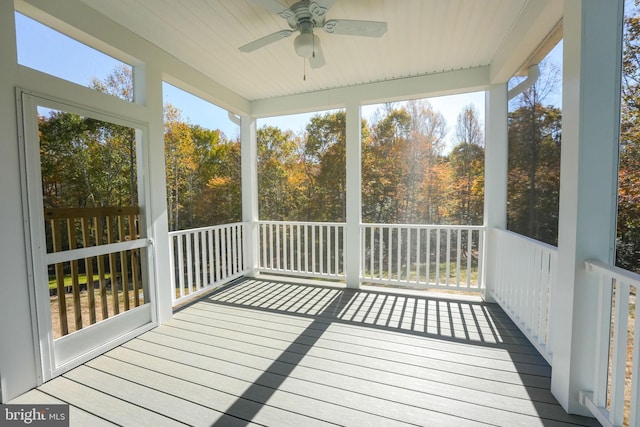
<point x="202" y="174"/>
<point x="628" y="234"/>
<point x="534" y="162"/>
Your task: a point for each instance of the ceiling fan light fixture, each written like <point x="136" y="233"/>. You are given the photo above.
<point x="304" y="44"/>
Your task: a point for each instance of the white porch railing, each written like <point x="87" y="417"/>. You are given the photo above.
<point x="525" y="276"/>
<point x="204" y="258"/>
<point x="426" y="256"/>
<point x="615" y="399"/>
<point x="310" y="249"/>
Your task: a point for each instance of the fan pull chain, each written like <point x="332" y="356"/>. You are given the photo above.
<point x="304" y="70"/>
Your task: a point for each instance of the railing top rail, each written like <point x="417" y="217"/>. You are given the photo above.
<point x="425" y="226"/>
<point x="90" y="212"/>
<point x="342" y="224"/>
<point x="617" y="273"/>
<point x="535" y="242"/>
<point x="210" y="227"/>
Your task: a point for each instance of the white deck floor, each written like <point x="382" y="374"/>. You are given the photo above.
<point x="271" y="353"/>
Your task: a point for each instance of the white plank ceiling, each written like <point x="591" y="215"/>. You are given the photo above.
<point x="423" y="37"/>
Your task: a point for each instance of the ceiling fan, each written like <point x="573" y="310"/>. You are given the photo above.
<point x="303" y="17"/>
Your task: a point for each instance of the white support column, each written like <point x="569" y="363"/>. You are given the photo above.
<point x="354" y="196"/>
<point x="496" y="153"/>
<point x="588" y="187"/>
<point x="19" y="348"/>
<point x="249" y="155"/>
<point x="150" y="77"/>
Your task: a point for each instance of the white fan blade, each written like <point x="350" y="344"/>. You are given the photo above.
<point x="355" y="28"/>
<point x="261" y="42"/>
<point x="317" y="59"/>
<point x="276" y="7"/>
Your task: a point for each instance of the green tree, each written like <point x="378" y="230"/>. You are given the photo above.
<point x="534" y="162"/>
<point x="86" y="162"/>
<point x="325" y="160"/>
<point x="466" y="163"/>
<point x="401" y="165"/>
<point x="277" y="155"/>
<point x="216" y="184"/>
<point x="180" y="165"/>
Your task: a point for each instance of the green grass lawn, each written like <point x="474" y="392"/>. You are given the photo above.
<point x="82" y="280"/>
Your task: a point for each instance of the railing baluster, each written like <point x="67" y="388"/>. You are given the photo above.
<point x="224" y="252"/>
<point x="219" y="253"/>
<point x="448" y="258"/>
<point x="135" y="259"/>
<point x="603" y="333"/>
<point x="298" y="249"/>
<point x="123" y="264"/>
<point x="271" y="262"/>
<point x="437" y="266"/>
<point x="203" y="259"/>
<point x="408" y="256"/>
<point x="618" y="363"/>
<point x="75" y="283"/>
<point x="286" y="253"/>
<point x="398" y="252"/>
<point x="389" y="253"/>
<point x="234" y="251"/>
<point x="211" y="265"/>
<point x="56" y="231"/>
<point x="88" y="266"/>
<point x="328" y="254"/>
<point x="336" y="249"/>
<point x="290" y="228"/>
<point x="418" y="255"/>
<point x="113" y="268"/>
<point x="172" y="267"/>
<point x="263" y="242"/>
<point x="469" y="251"/>
<point x="458" y="252"/>
<point x="321" y="249"/>
<point x="369" y="232"/>
<point x="197" y="237"/>
<point x="306" y="249"/>
<point x="188" y="244"/>
<point x="313" y="250"/>
<point x="101" y="270"/>
<point x="428" y="263"/>
<point x="225" y="235"/>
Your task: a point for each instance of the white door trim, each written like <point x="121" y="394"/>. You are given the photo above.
<point x="60" y="355"/>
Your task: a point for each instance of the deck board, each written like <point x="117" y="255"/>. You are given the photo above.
<point x="274" y="353"/>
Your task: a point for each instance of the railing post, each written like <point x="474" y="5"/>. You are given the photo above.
<point x="249" y="165"/>
<point x="352" y="244"/>
<point x="495" y="186"/>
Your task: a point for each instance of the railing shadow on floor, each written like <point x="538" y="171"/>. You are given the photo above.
<point x="468" y="321"/>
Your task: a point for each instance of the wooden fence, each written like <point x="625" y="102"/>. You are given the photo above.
<point x="117" y="274"/>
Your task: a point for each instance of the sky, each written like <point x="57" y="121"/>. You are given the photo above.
<point x="39" y="47"/>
